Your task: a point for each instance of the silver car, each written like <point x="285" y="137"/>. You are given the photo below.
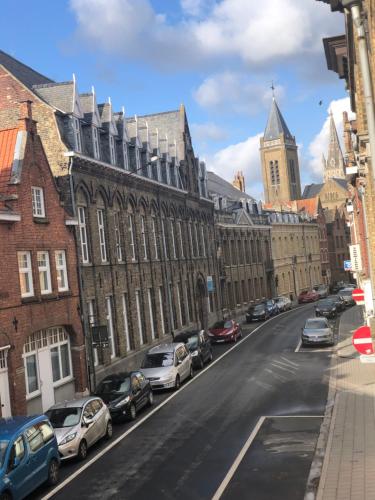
<point x="79" y="424"/>
<point x="167" y="365"/>
<point x="317" y="331"/>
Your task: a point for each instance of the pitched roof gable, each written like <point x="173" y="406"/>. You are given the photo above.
<point x="312" y="190"/>
<point x="276" y="124"/>
<point x="217" y="185"/>
<point x="23" y="73"/>
<point x="8" y="139"/>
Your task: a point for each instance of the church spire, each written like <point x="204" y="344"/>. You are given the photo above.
<point x="334" y="166"/>
<point x="276" y="124"/>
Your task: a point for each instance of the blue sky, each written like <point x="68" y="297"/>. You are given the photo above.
<point x="218" y="57"/>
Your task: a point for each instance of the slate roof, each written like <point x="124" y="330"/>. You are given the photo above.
<point x="276" y="124"/>
<point x="87" y="105"/>
<point x="8" y="140"/>
<point x="312" y="190"/>
<point x="58" y="95"/>
<point x="23" y="73"/>
<point x="217" y="185"/>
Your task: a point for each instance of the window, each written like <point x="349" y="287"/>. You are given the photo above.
<point x="179" y="229"/>
<point x="38" y="202"/>
<point x="102" y="243"/>
<point x="126" y="322"/>
<point x="61" y="271"/>
<point x="203" y="241"/>
<point x="109" y="317"/>
<point x="173" y="308"/>
<point x="31" y="372"/>
<point x="77" y="134"/>
<point x="181" y="304"/>
<point x="116" y="219"/>
<point x="151" y="311"/>
<point x="191" y="240"/>
<point x="95" y="142"/>
<point x="137" y="159"/>
<point x="44" y="273"/>
<point x="60" y="360"/>
<point x="139" y="317"/>
<point x="143" y="237"/>
<point x="25" y="274"/>
<point x="131" y="236"/>
<point x="196" y="241"/>
<point x="126" y="155"/>
<point x="161" y="306"/>
<point x="91" y="321"/>
<point x="165" y="246"/>
<point x="83" y="234"/>
<point x="153" y="222"/>
<point x="173" y="238"/>
<point x="112" y="149"/>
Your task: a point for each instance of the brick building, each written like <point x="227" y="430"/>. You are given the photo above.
<point x="243" y="246"/>
<point x="338" y="235"/>
<point x="145" y="224"/>
<point x="42" y="350"/>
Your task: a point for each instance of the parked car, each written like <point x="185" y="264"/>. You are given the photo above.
<point x="28" y="456"/>
<point x="79" y="424"/>
<point x="259" y="312"/>
<point x="225" y="331"/>
<point x="308" y="296"/>
<point x="339" y="302"/>
<point x="272" y="307"/>
<point x="337" y="286"/>
<point x="346" y="295"/>
<point x="317" y="331"/>
<point x="125" y="394"/>
<point x="322" y="291"/>
<point x="326" y="307"/>
<point x="283" y="303"/>
<point x="199" y="345"/>
<point x="167" y="365"/>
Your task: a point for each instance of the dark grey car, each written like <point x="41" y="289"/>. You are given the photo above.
<point x="317" y="331"/>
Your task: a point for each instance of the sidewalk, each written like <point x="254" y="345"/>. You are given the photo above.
<point x="348" y="470"/>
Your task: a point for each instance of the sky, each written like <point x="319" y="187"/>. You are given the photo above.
<point x="218" y="57"/>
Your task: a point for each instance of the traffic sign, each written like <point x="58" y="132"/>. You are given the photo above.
<point x="347" y="265"/>
<point x="359" y="296"/>
<point x="362" y="340"/>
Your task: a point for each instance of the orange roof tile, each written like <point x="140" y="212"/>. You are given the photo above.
<point x="309" y="205"/>
<point x="7" y="144"/>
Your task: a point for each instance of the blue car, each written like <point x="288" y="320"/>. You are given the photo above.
<point x="28" y="456"/>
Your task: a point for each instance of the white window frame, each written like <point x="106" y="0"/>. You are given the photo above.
<point x="153" y="219"/>
<point x="91" y="321"/>
<point x="61" y="271"/>
<point x="151" y="311"/>
<point x="83" y="235"/>
<point x="161" y="305"/>
<point x="25" y="273"/>
<point x="139" y="317"/>
<point x="112" y="149"/>
<point x="44" y="272"/>
<point x="77" y="134"/>
<point x="101" y="230"/>
<point x="188" y="318"/>
<point x="37" y="195"/>
<point x="95" y="142"/>
<point x="116" y="221"/>
<point x="56" y="341"/>
<point x="143" y="236"/>
<point x="126" y="321"/>
<point x="179" y="226"/>
<point x="131" y="234"/>
<point x="173" y="238"/>
<point x="109" y="318"/>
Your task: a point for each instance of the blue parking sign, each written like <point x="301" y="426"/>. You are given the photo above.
<point x="347" y="265"/>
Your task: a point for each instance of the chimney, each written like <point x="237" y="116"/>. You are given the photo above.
<point x="239" y="181"/>
<point x="26" y="121"/>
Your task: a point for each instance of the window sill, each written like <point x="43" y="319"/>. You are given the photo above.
<point x="62" y="381"/>
<point x="40" y="220"/>
<point x="48" y="296"/>
<point x="29" y="300"/>
<point x="34" y="395"/>
<point x="64" y="293"/>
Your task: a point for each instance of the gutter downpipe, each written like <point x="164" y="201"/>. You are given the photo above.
<point x="88" y="339"/>
<point x="354" y="6"/>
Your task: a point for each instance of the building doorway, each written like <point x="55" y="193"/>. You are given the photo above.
<point x="5" y="409"/>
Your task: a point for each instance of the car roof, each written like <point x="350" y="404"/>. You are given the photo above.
<point x="322" y="320"/>
<point x="165" y="348"/>
<point x="186" y="335"/>
<point x="73" y="403"/>
<point x="11" y="427"/>
<point x="120" y="375"/>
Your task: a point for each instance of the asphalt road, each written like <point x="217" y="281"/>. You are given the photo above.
<point x="186" y="447"/>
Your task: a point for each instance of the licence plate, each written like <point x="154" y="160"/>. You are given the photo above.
<point x="220" y="340"/>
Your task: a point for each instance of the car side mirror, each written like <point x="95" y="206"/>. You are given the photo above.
<point x="87" y="421"/>
<point x="179" y="361"/>
<point x="16" y="462"/>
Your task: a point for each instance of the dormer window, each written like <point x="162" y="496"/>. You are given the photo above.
<point x="126" y="155"/>
<point x="77" y="135"/>
<point x="95" y="142"/>
<point x="112" y="150"/>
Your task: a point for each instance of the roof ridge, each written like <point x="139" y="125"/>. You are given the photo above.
<point x="52" y="84"/>
<point x="24" y="65"/>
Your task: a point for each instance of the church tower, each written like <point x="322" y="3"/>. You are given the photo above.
<point x="334" y="166"/>
<point x="279" y="157"/>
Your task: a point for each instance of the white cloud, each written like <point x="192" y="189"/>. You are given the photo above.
<point x="319" y="145"/>
<point x="241" y="156"/>
<point x="234" y="92"/>
<point x="244" y="30"/>
<point x="207" y="131"/>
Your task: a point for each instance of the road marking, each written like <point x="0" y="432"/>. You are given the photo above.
<point x="298" y="346"/>
<point x="228" y="477"/>
<point x="238" y="459"/>
<point x="278" y="376"/>
<point x="290" y="362"/>
<point x="122" y="436"/>
<point x="286" y="365"/>
<point x="283" y="368"/>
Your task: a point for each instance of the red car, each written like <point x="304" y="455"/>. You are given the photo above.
<point x="308" y="296"/>
<point x="225" y="331"/>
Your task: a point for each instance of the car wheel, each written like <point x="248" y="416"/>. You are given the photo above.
<point x="191" y="375"/>
<point x="177" y="383"/>
<point x="82" y="450"/>
<point x="132" y="412"/>
<point x="109" y="431"/>
<point x="201" y="363"/>
<point x="210" y="356"/>
<point x="53" y="472"/>
<point x="150" y="399"/>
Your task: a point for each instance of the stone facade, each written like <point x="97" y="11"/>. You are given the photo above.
<point x="338" y="234"/>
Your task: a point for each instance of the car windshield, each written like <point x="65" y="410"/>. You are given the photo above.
<point x="114" y="386"/>
<point x="222" y="324"/>
<point x="158" y="360"/>
<point x="64" y="417"/>
<point x="279" y="299"/>
<point x="312" y="324"/>
<point x="346" y="293"/>
<point x="192" y="342"/>
<point x="259" y="307"/>
<point x="3" y="449"/>
<point x="325" y="303"/>
<point x="304" y="292"/>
